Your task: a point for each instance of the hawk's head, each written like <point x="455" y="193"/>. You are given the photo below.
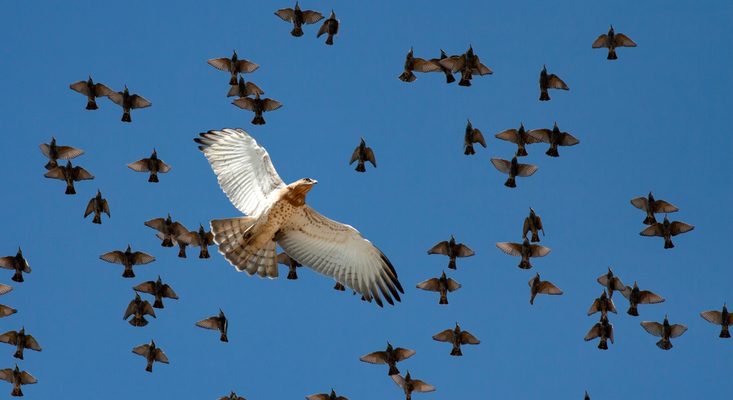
<point x="297" y="190"/>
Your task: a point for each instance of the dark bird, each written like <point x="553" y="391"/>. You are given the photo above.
<point x="4" y="289"/>
<point x="232" y="396"/>
<point x="467" y="64"/>
<point x="140" y="308"/>
<point x="390" y="357"/>
<point x="157" y="289"/>
<point x="604" y="304"/>
<point x="92" y="91"/>
<point x="452" y="250"/>
<point x="69" y="174"/>
<point x="652" y="207"/>
<point x="331" y="27"/>
<point x="457" y="337"/>
<point x="472" y="136"/>
<point x="550" y="81"/>
<point x="513" y="169"/>
<point x="244" y="89"/>
<point x="603" y="330"/>
<point x="258" y="106"/>
<point x="168" y="228"/>
<point x="611" y="283"/>
<point x="362" y="153"/>
<point x="722" y="318"/>
<point x="285" y="259"/>
<point x="448" y="74"/>
<point x="533" y="223"/>
<point x="541" y="287"/>
<point x="201" y="239"/>
<point x="637" y="297"/>
<point x="665" y="331"/>
<point x="219" y="323"/>
<point x="441" y="285"/>
<point x="555" y="138"/>
<point x="17" y="378"/>
<point x="613" y="40"/>
<point x="128" y="259"/>
<point x="174" y="238"/>
<point x="152" y="165"/>
<point x="518" y="137"/>
<point x="97" y="205"/>
<point x="5" y="311"/>
<point x="151" y="353"/>
<point x="128" y="102"/>
<point x="666" y="230"/>
<point x="524" y="250"/>
<point x="233" y="65"/>
<point x="17" y="263"/>
<point x="21" y="340"/>
<point x="325" y="396"/>
<point x="410" y="385"/>
<point x="54" y="152"/>
<point x="298" y="18"/>
<point x="418" y="65"/>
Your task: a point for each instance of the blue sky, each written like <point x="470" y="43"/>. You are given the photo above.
<point x="656" y="118"/>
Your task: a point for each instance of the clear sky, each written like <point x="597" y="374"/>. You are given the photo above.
<point x="656" y="118"/>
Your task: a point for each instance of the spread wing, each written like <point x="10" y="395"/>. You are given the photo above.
<point x="118" y="98"/>
<point x="90" y="208"/>
<point x="444" y="336"/>
<point x="715" y="317"/>
<point x="661" y="206"/>
<point x="467" y="338"/>
<point x="640" y="202"/>
<point x="568" y="140"/>
<point x="538" y="251"/>
<point x="422" y="65"/>
<point x="145" y="287"/>
<point x="251" y="89"/>
<point x="403" y="354"/>
<point x="501" y="165"/>
<point x="270" y="105"/>
<point x="513" y="249"/>
<point x="525" y="170"/>
<point x="148" y="309"/>
<point x="142" y="350"/>
<point x="432" y="285"/>
<point x="190" y="238"/>
<point x="677" y="330"/>
<point x="6" y="375"/>
<point x="56" y="173"/>
<point x="680" y="227"/>
<point x="140" y="258"/>
<point x="80" y="174"/>
<point x="509" y="135"/>
<point x="4" y="289"/>
<point x="653" y="230"/>
<point x="243" y="168"/>
<point x="370" y="157"/>
<point x="245" y="103"/>
<point x="324" y="29"/>
<point x="130" y="309"/>
<point x="451" y="63"/>
<point x="461" y="250"/>
<point x="398" y="379"/>
<point x="622" y="40"/>
<point x="440" y="248"/>
<point x="378" y="357"/>
<point x="246" y="67"/>
<point x="80" y="87"/>
<point x="480" y="69"/>
<point x="548" y="288"/>
<point x="31" y="343"/>
<point x="169" y="293"/>
<point x="5" y="311"/>
<point x="477" y="137"/>
<point x="163" y="167"/>
<point x="594" y="332"/>
<point x="140" y="166"/>
<point x="160" y="356"/>
<point x="27" y="379"/>
<point x="287" y="14"/>
<point x="209" y="323"/>
<point x="647" y="297"/>
<point x="453" y="285"/>
<point x="600" y="42"/>
<point x="553" y="82"/>
<point x="322" y="396"/>
<point x="354" y="155"/>
<point x="420" y="386"/>
<point x="626" y="291"/>
<point x="653" y="328"/>
<point x="542" y="135"/>
<point x="223" y="64"/>
<point x="311" y="17"/>
<point x="115" y="257"/>
<point x="9" y="337"/>
<point x="68" y="153"/>
<point x="139" y="102"/>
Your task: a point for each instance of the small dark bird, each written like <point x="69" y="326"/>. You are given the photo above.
<point x="452" y="250"/>
<point x="722" y="318"/>
<point x="140" y="308"/>
<point x="665" y="331"/>
<point x="17" y="263"/>
<point x="541" y="287"/>
<point x="603" y="330"/>
<point x="550" y="81"/>
<point x="418" y="65"/>
<point x="97" y="205"/>
<point x="17" y="378"/>
<point x="533" y="223"/>
<point x="524" y="250"/>
<point x="519" y="137"/>
<point x="457" y="337"/>
<point x="232" y="396"/>
<point x="5" y="311"/>
<point x="285" y="259"/>
<point x="128" y="102"/>
<point x="152" y="165"/>
<point x="233" y="65"/>
<point x="151" y="353"/>
<point x="331" y="27"/>
<point x="168" y="228"/>
<point x="181" y="245"/>
<point x="244" y="89"/>
<point x="604" y="304"/>
<point x="441" y="285"/>
<point x="652" y="207"/>
<point x="613" y="40"/>
<point x="219" y="323"/>
<point x="258" y="106"/>
<point x="21" y="340"/>
<point x="472" y="136"/>
<point x="611" y="283"/>
<point x="513" y="169"/>
<point x="555" y="138"/>
<point x="69" y="174"/>
<point x="410" y="385"/>
<point x="325" y="396"/>
<point x="666" y="230"/>
<point x="54" y="153"/>
<point x="4" y="289"/>
<point x="390" y="357"/>
<point x="467" y="64"/>
<point x="637" y="297"/>
<point x="448" y="74"/>
<point x="201" y="239"/>
<point x="92" y="91"/>
<point x="340" y="287"/>
<point x="128" y="259"/>
<point x="157" y="289"/>
<point x="362" y="153"/>
<point x="298" y="18"/>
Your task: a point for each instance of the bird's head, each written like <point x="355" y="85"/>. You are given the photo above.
<point x="389" y="346"/>
<point x="154" y="155"/>
<point x="442" y="54"/>
<point x="160" y="281"/>
<point x="296" y="191"/>
<point x="127" y="91"/>
<point x="333" y="16"/>
<point x="409" y="53"/>
<point x="221" y="313"/>
<point x="91" y="82"/>
<point x="20" y="252"/>
<point x="521" y="127"/>
<point x="442" y="276"/>
<point x="297" y="7"/>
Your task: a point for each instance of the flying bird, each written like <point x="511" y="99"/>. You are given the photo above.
<point x="258" y="106"/>
<point x="666" y="230"/>
<point x="533" y="223"/>
<point x="232" y="396"/>
<point x="452" y="250"/>
<point x="637" y="297"/>
<point x="201" y="239"/>
<point x="128" y="102"/>
<point x="92" y="91"/>
<point x="151" y="353"/>
<point x="17" y="263"/>
<point x="555" y="138"/>
<point x="152" y="165"/>
<point x="299" y="18"/>
<point x="168" y="228"/>
<point x="128" y="259"/>
<point x="17" y="378"/>
<point x="54" y="152"/>
<point x="524" y="250"/>
<point x="518" y="137"/>
<point x="21" y="340"/>
<point x="69" y="174"/>
<point x="604" y="304"/>
<point x="722" y="318"/>
<point x="244" y="89"/>
<point x="416" y="64"/>
<point x="277" y="214"/>
<point x="665" y="331"/>
<point x="549" y="81"/>
<point x="5" y="311"/>
<point x="457" y="337"/>
<point x="611" y="41"/>
<point x="325" y="396"/>
<point x="611" y="283"/>
<point x="181" y="245"/>
<point x="362" y="153"/>
<point x="331" y="27"/>
<point x="652" y="207"/>
<point x="603" y="330"/>
<point x="410" y="385"/>
<point x="472" y="136"/>
<point x="541" y="287"/>
<point x="441" y="285"/>
<point x="97" y="205"/>
<point x="448" y="74"/>
<point x="513" y="169"/>
<point x="285" y="259"/>
<point x="233" y="65"/>
<point x="391" y="357"/>
<point x="467" y="64"/>
<point x="157" y="289"/>
<point x="219" y="323"/>
<point x="139" y="308"/>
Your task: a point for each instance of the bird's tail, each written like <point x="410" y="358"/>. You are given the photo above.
<point x="51" y="165"/>
<point x="724" y="333"/>
<point x="612" y="54"/>
<point x="603" y="345"/>
<point x="18" y="277"/>
<point x="469" y="150"/>
<point x="633" y="311"/>
<point x="234" y="236"/>
<point x="510" y="182"/>
<point x="126" y="117"/>
<point x="521" y="151"/>
<point x="456" y="351"/>
<point x="224" y="337"/>
<point x="339" y="287"/>
<point x="149" y="368"/>
<point x="258" y="120"/>
<point x="70" y="188"/>
<point x="18" y="354"/>
<point x="544" y="96"/>
<point x="464" y="82"/>
<point x="452" y="263"/>
<point x="138" y="321"/>
<point x="535" y="237"/>
<point x="329" y="40"/>
<point x="664" y="344"/>
<point x="393" y="370"/>
<point x="552" y="152"/>
<point x="158" y="303"/>
<point x="443" y="299"/>
<point x="153" y="177"/>
<point x="360" y="166"/>
<point x="127" y="273"/>
<point x="233" y="80"/>
<point x="650" y="220"/>
<point x="92" y="105"/>
<point x="407" y="76"/>
<point x="182" y="252"/>
<point x="297" y="31"/>
<point x="531" y="299"/>
<point x="525" y="264"/>
<point x="449" y="77"/>
<point x="668" y="243"/>
<point x="292" y="275"/>
<point x="16" y="391"/>
<point x="204" y="252"/>
<point x="97" y="219"/>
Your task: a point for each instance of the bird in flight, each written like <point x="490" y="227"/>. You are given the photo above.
<point x="611" y="41"/>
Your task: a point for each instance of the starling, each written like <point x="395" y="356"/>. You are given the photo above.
<point x="201" y="239"/>
<point x="181" y="245"/>
<point x="550" y="81"/>
<point x="519" y="137"/>
<point x="652" y="207"/>
<point x="152" y="165"/>
<point x="298" y="18"/>
<point x="92" y="91"/>
<point x="54" y="153"/>
<point x="325" y="396"/>
<point x="665" y="331"/>
<point x="258" y="106"/>
<point x="233" y="65"/>
<point x="21" y="340"/>
<point x="285" y="259"/>
<point x="467" y="64"/>
<point x="5" y="311"/>
<point x="244" y="89"/>
<point x="472" y="136"/>
<point x="17" y="378"/>
<point x="128" y="259"/>
<point x="362" y="153"/>
<point x="151" y="353"/>
<point x="533" y="223"/>
<point x="97" y="205"/>
<point x="541" y="287"/>
<point x="69" y="174"/>
<point x="416" y="64"/>
<point x="457" y="337"/>
<point x="441" y="285"/>
<point x="157" y="289"/>
<point x="666" y="230"/>
<point x="513" y="169"/>
<point x="613" y="40"/>
<point x="524" y="250"/>
<point x="603" y="330"/>
<point x="722" y="318"/>
<point x="448" y="74"/>
<point x="168" y="228"/>
<point x="390" y="357"/>
<point x="219" y="323"/>
<point x="611" y="283"/>
<point x="140" y="308"/>
<point x="604" y="304"/>
<point x="410" y="385"/>
<point x="331" y="27"/>
<point x="452" y="250"/>
<point x="232" y="396"/>
<point x="555" y="138"/>
<point x="128" y="102"/>
<point x="637" y="297"/>
<point x="18" y="263"/>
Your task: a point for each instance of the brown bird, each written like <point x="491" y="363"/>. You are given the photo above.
<point x="665" y="331"/>
<point x="666" y="230"/>
<point x="5" y="311"/>
<point x="151" y="353"/>
<point x="611" y="41"/>
<point x="54" y="152"/>
<point x="97" y="205"/>
<point x="541" y="287"/>
<point x="524" y="250"/>
<point x="390" y="357"/>
<point x="603" y="330"/>
<point x="201" y="239"/>
<point x="457" y="337"/>
<point x="467" y="64"/>
<point x="722" y="318"/>
<point x="140" y="308"/>
<point x="362" y="153"/>
<point x="604" y="304"/>
<point x="233" y="65"/>
<point x="441" y="285"/>
<point x="652" y="207"/>
<point x="92" y="91"/>
<point x="69" y="174"/>
<point x="472" y="136"/>
<point x="448" y="75"/>
<point x="418" y="65"/>
<point x="298" y="18"/>
<point x="533" y="223"/>
<point x="128" y="259"/>
<point x="410" y="385"/>
<point x="550" y="81"/>
<point x="637" y="297"/>
<point x="174" y="239"/>
<point x="331" y="27"/>
<point x="157" y="289"/>
<point x="452" y="250"/>
<point x="555" y="138"/>
<point x="21" y="340"/>
<point x="219" y="323"/>
<point x="513" y="169"/>
<point x="17" y="263"/>
<point x="519" y="137"/>
<point x="285" y="259"/>
<point x="325" y="396"/>
<point x="17" y="378"/>
<point x="244" y="89"/>
<point x="258" y="106"/>
<point x="168" y="228"/>
<point x="152" y="165"/>
<point x="128" y="102"/>
<point x="611" y="283"/>
<point x="232" y="396"/>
